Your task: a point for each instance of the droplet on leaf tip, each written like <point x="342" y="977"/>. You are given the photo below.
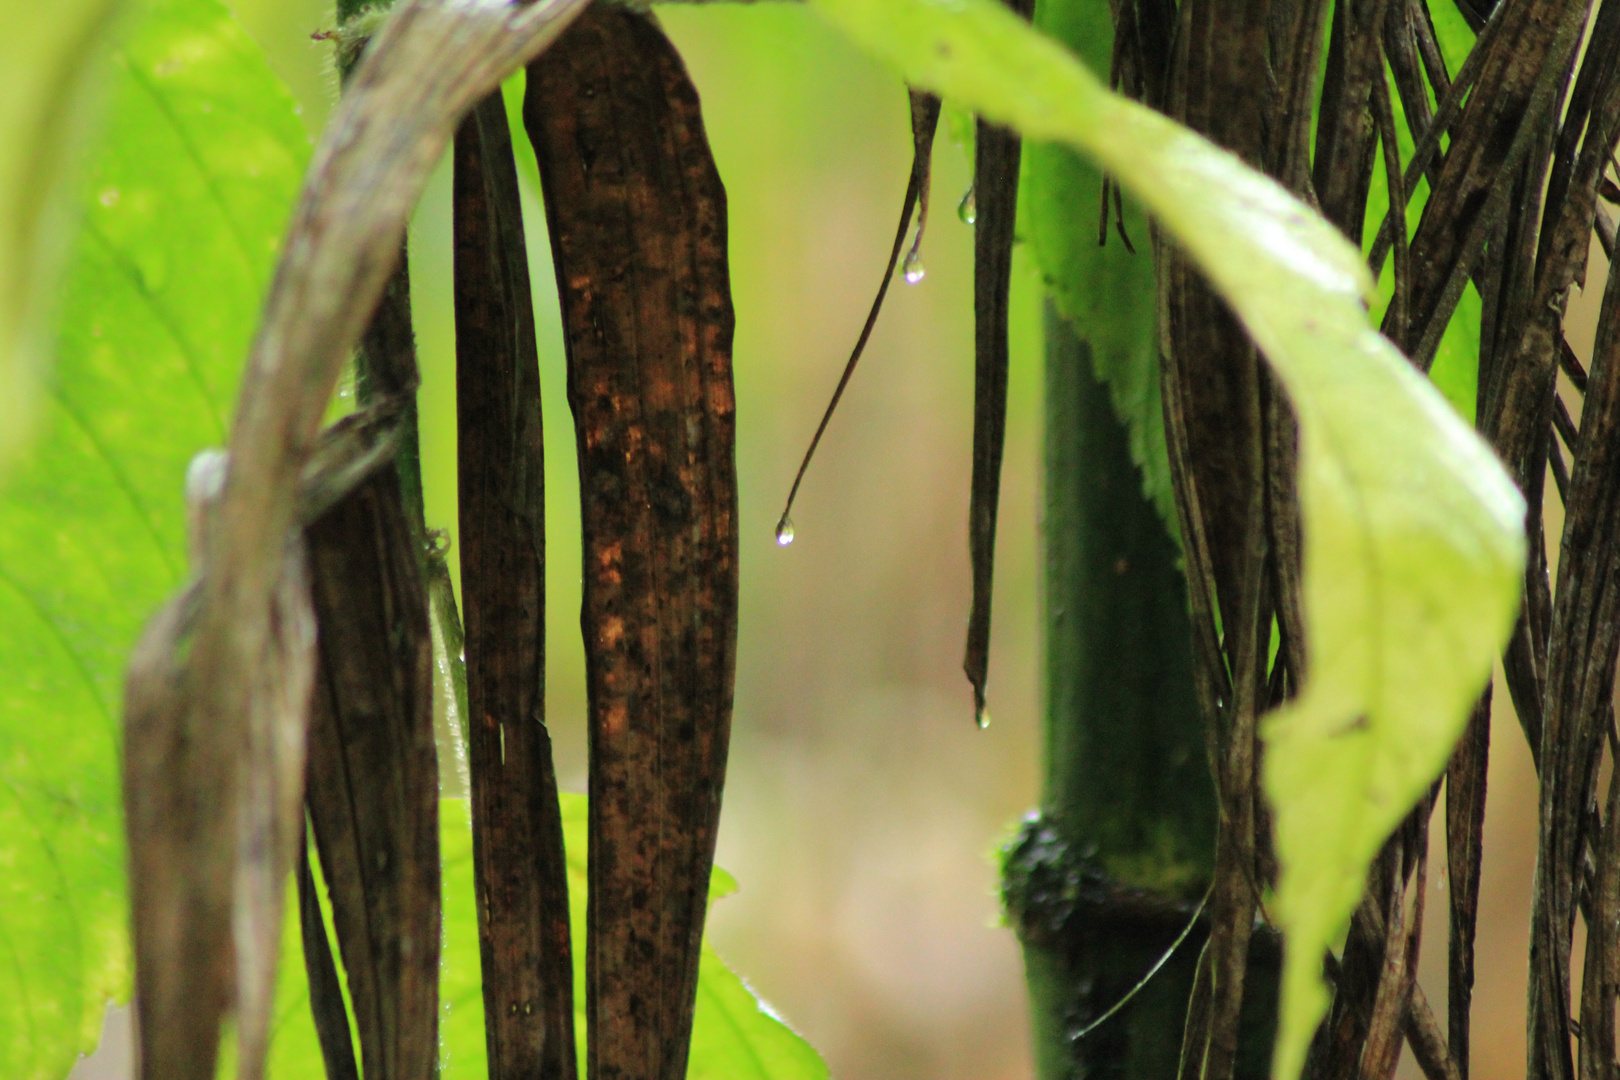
<point x="968" y="209"/>
<point x="982" y="718"/>
<point x="914" y="268"/>
<point x="784" y="532"/>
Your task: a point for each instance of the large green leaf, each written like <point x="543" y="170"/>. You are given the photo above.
<point x="735" y="1035"/>
<point x="1107" y="293"/>
<point x="52" y="55"/>
<point x="1413" y="533"/>
<point x="187" y="196"/>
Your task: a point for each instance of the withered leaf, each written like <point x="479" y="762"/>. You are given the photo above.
<point x="207" y="912"/>
<point x="997" y="152"/>
<point x="373" y="774"/>
<point x="517" y="825"/>
<point x="325" y="993"/>
<point x="637" y="215"/>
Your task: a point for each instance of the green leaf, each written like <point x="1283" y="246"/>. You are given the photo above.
<point x="187" y="197"/>
<point x="1455" y="370"/>
<point x="735" y="1035"/>
<point x="1452" y="33"/>
<point x="1413" y="533"/>
<point x="295" y="1049"/>
<point x="52" y="55"/>
<point x="462" y="1052"/>
<point x="1108" y="294"/>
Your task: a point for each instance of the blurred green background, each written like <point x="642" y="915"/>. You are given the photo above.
<point x="863" y="806"/>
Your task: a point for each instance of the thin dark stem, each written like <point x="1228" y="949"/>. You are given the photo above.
<point x="916" y="193"/>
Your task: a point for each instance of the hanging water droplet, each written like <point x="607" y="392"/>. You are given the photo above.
<point x="913" y="268"/>
<point x="784" y="532"/>
<point x="983" y="718"/>
<point x="463" y="656"/>
<point x="968" y="208"/>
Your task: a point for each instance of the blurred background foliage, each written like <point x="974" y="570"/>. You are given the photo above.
<point x="863" y="806"/>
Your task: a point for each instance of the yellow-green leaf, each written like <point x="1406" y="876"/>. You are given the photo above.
<point x="186" y="195"/>
<point x="52" y="55"/>
<point x="1413" y="533"/>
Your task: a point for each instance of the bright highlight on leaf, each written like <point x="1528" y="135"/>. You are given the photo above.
<point x="52" y="55"/>
<point x="1413" y="533"/>
<point x="185" y="199"/>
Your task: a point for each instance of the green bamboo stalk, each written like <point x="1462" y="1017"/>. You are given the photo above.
<point x="1103" y="879"/>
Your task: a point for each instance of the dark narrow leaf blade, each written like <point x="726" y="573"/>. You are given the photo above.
<point x="326" y="1006"/>
<point x="522" y="881"/>
<point x="1465" y="832"/>
<point x="997" y="151"/>
<point x="373" y="775"/>
<point x="637" y="216"/>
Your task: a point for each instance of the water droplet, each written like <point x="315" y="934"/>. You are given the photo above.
<point x="913" y="268"/>
<point x="983" y="719"/>
<point x="968" y="208"/>
<point x="784" y="532"/>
